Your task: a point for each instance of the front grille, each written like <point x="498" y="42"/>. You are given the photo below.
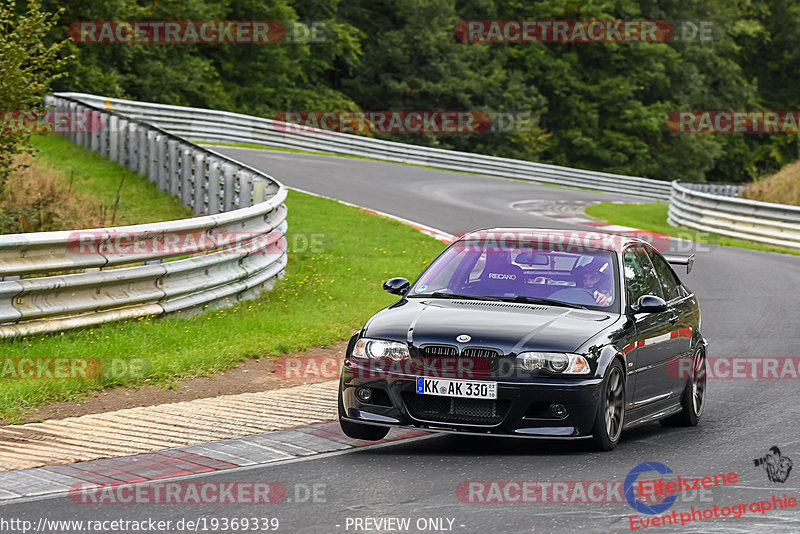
<point x="444" y="361"/>
<point x="438" y="350"/>
<point x="480" y="353"/>
<point x="455" y="410"/>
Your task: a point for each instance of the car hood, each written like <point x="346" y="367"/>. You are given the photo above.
<point x="510" y="327"/>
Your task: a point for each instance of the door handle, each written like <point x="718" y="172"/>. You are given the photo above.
<point x="673" y="319"/>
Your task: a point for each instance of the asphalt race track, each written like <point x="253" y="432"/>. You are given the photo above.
<point x="749" y="304"/>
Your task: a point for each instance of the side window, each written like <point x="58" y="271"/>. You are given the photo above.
<point x="669" y="283"/>
<point x="640" y="276"/>
<point x="440" y="278"/>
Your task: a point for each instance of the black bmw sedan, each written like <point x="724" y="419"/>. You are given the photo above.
<point x="532" y="333"/>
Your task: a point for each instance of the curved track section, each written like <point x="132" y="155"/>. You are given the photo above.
<point x="750" y="311"/>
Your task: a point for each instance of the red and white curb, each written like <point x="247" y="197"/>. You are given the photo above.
<point x="573" y="212"/>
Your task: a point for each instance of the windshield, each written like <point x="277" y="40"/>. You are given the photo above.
<point x="571" y="277"/>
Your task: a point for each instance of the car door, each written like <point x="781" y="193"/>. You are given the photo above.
<point x="652" y="331"/>
<point x="683" y="316"/>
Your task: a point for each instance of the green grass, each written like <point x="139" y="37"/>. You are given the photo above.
<point x="653" y="218"/>
<point x="96" y="176"/>
<point x="325" y="296"/>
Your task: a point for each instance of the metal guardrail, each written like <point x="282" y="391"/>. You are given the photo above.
<point x="725" y="190"/>
<point x="707" y="207"/>
<point x="234" y="252"/>
<point x="221" y="268"/>
<point x="225" y="127"/>
<point x="763" y="222"/>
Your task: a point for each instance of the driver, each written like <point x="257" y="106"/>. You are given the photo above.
<point x="595" y="278"/>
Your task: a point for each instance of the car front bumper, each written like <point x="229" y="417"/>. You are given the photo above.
<point x="522" y="408"/>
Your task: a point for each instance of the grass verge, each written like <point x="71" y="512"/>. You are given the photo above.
<point x="783" y="187"/>
<point x="653" y="218"/>
<point x="93" y="175"/>
<point x="325" y="296"/>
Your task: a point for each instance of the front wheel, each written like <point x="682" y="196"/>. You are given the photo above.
<point x="359" y="431"/>
<point x="693" y="400"/>
<point x="610" y="409"/>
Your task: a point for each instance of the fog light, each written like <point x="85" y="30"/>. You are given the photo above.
<point x="558" y="410"/>
<point x="364" y="394"/>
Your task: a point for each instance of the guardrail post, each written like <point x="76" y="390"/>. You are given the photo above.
<point x="199" y="203"/>
<point x="245" y="189"/>
<point x="72" y="134"/>
<point x="133" y="147"/>
<point x="104" y="127"/>
<point x="95" y="130"/>
<point x="80" y="130"/>
<point x="259" y="188"/>
<point x="213" y="185"/>
<point x="113" y="137"/>
<point x="173" y="168"/>
<point x="187" y="177"/>
<point x="87" y="133"/>
<point x="122" y="142"/>
<point x="229" y="188"/>
<point x="162" y="171"/>
<point x="152" y="155"/>
<point x="141" y="151"/>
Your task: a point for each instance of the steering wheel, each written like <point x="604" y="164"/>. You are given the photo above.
<point x="575" y="295"/>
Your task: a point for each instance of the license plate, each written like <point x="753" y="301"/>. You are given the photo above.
<point x="467" y="389"/>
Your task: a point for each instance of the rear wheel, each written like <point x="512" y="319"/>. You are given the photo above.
<point x="693" y="400"/>
<point x="610" y="409"/>
<point x="359" y="431"/>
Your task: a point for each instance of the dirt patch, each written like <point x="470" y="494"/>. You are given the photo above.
<point x="247" y="377"/>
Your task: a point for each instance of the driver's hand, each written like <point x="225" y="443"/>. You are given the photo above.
<point x="601" y="298"/>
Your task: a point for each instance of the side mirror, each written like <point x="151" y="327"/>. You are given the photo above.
<point x="396" y="286"/>
<point x="650" y="304"/>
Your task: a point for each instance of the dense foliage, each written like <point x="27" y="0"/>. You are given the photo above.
<point x="599" y="106"/>
<point x="29" y="63"/>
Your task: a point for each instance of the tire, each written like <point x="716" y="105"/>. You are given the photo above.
<point x="693" y="400"/>
<point x="359" y="431"/>
<point x="610" y="409"/>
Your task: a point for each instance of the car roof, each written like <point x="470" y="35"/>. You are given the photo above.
<point x="590" y="240"/>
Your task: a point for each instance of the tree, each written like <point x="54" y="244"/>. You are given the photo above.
<point x="28" y="66"/>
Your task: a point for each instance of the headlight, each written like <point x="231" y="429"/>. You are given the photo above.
<point x="378" y="348"/>
<point x="554" y="362"/>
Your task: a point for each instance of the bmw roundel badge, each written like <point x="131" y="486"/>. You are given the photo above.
<point x="463" y="338"/>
